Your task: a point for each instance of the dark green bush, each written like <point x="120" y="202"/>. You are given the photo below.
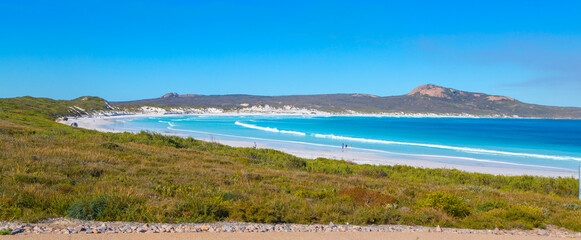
<point x="112" y="146"/>
<point x="198" y="209"/>
<point x="489" y="205"/>
<point x="99" y="208"/>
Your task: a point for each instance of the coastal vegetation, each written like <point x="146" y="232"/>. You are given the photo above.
<point x="53" y="170"/>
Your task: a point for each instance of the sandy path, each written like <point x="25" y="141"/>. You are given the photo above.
<point x="277" y="236"/>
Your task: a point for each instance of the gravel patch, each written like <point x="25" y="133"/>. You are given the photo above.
<point x="75" y="226"/>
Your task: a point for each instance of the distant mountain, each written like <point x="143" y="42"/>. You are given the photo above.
<point x="427" y="98"/>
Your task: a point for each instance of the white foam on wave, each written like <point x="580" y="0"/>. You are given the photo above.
<point x="461" y="149"/>
<point x="269" y="129"/>
<point x="168" y="123"/>
<point x="438" y="146"/>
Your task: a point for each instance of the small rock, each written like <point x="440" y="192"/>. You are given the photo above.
<point x="17" y="231"/>
<point x="204" y="228"/>
<point x="332" y="224"/>
<point x="95" y="230"/>
<point x="438" y="229"/>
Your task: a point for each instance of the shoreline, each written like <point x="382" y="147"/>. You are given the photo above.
<point x="359" y="156"/>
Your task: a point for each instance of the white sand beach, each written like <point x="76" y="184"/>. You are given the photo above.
<point x="102" y="123"/>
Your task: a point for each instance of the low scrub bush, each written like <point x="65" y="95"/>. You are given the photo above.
<point x="490" y="205"/>
<point x="526" y="217"/>
<point x="7" y="231"/>
<point x="363" y="196"/>
<point x="198" y="209"/>
<point x="98" y="208"/>
<point x="450" y="203"/>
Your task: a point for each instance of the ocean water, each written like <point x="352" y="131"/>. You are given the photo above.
<point x="539" y="144"/>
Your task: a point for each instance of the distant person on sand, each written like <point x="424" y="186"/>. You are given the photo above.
<point x="254" y="145"/>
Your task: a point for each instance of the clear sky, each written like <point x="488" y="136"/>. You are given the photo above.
<point x="128" y="50"/>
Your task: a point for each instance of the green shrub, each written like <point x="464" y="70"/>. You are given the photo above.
<point x="486" y="220"/>
<point x="450" y="203"/>
<point x="6" y="231"/>
<point x="99" y="208"/>
<point x="363" y="196"/>
<point x="295" y="163"/>
<point x="376" y="215"/>
<point x="321" y="194"/>
<point x="198" y="209"/>
<point x="527" y="217"/>
<point x="428" y="217"/>
<point x="489" y="205"/>
<point x="112" y="146"/>
<point x="373" y="172"/>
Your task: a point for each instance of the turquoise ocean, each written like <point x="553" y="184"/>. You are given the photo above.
<point x="539" y="144"/>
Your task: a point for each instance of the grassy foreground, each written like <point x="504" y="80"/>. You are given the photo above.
<point x="52" y="170"/>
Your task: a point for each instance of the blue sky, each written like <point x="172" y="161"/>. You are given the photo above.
<point x="127" y="50"/>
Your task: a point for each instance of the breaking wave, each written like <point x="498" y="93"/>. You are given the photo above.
<point x="269" y="129"/>
<point x="460" y="149"/>
<point x="427" y="145"/>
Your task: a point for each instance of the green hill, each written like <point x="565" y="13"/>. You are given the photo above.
<point x="53" y="170"/>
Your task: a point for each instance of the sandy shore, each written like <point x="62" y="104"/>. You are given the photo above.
<point x="353" y="155"/>
<point x="278" y="236"/>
